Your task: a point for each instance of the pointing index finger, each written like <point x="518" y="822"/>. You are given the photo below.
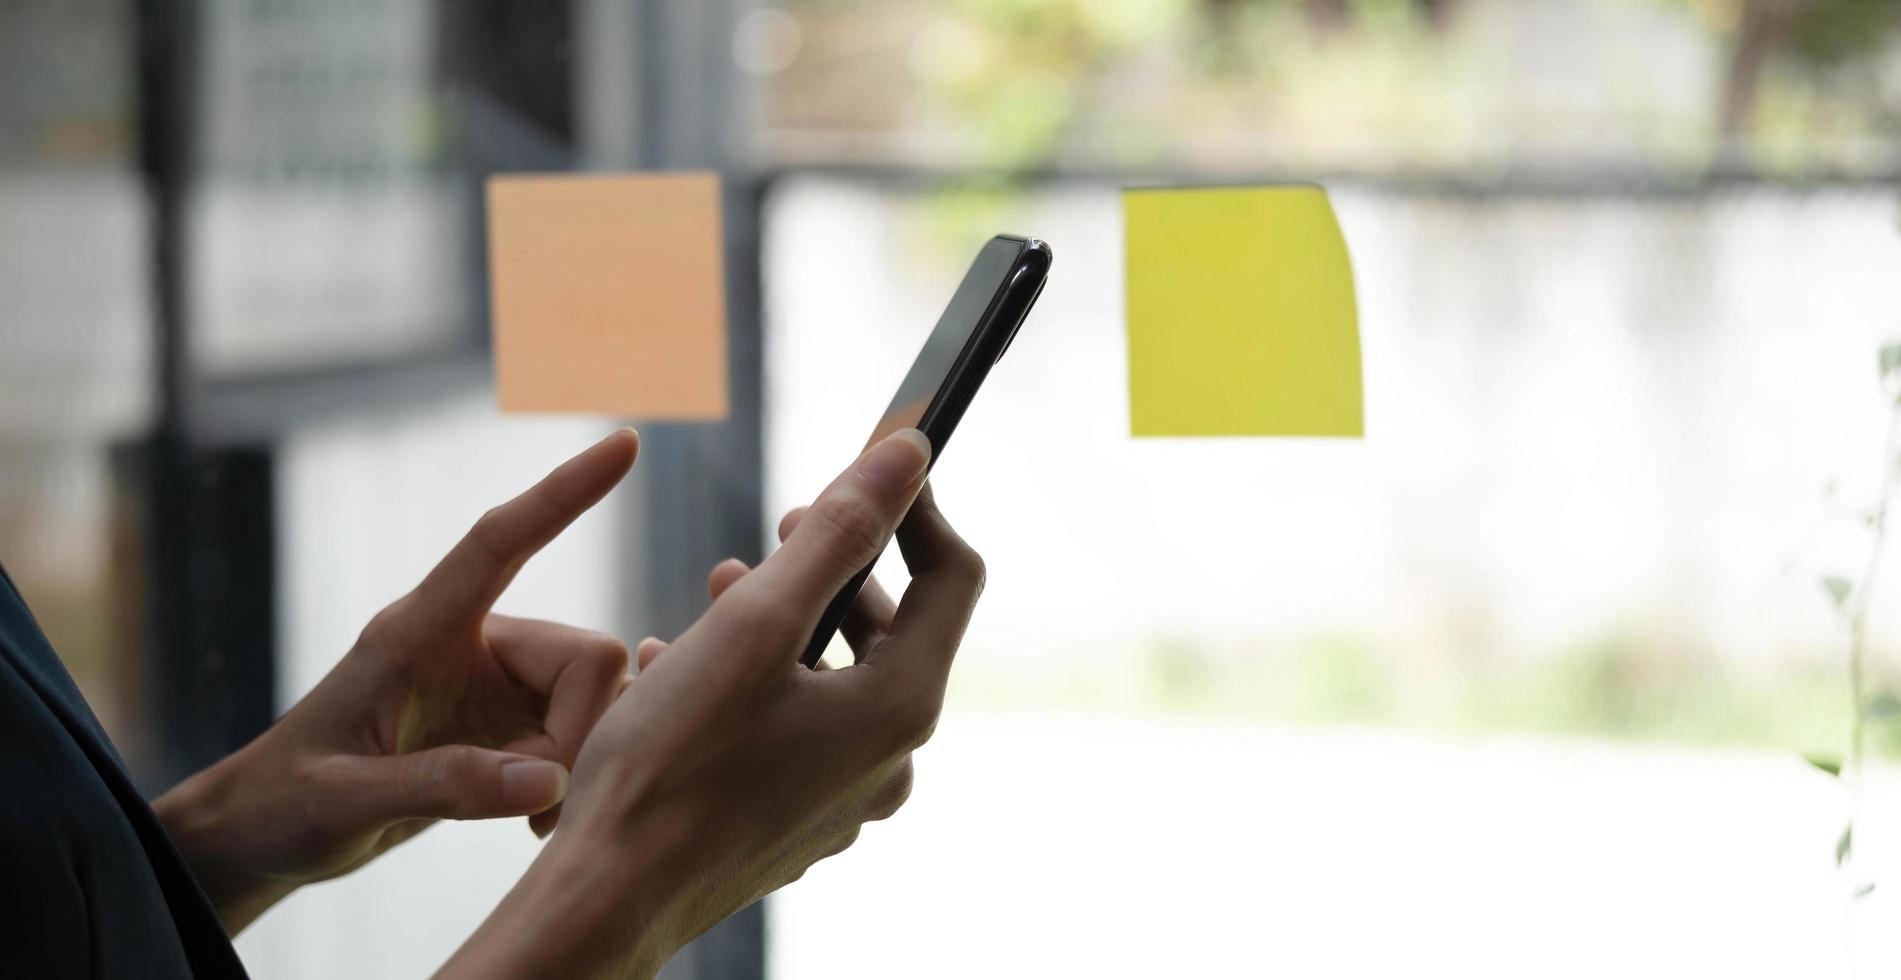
<point x="474" y="573"/>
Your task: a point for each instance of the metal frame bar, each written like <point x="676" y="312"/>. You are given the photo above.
<point x="252" y="410"/>
<point x="1531" y="184"/>
<point x="210" y="605"/>
<point x="705" y="482"/>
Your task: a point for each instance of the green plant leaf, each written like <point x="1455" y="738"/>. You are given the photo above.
<point x="1890" y="358"/>
<point x="1838" y="589"/>
<point x="1882" y="707"/>
<point x="1844" y="845"/>
<point x="1864" y="890"/>
<point x="1827" y="764"/>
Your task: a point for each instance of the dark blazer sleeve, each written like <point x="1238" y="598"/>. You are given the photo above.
<point x="90" y="885"/>
<point x="44" y="931"/>
<point x="84" y="902"/>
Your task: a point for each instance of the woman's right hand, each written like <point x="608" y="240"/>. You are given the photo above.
<point x="727" y="769"/>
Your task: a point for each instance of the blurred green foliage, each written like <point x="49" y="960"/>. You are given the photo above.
<point x="1383" y="86"/>
<point x="1236" y="88"/>
<point x="1829" y="33"/>
<point x="1620" y="688"/>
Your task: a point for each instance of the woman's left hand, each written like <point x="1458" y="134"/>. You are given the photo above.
<point x="442" y="709"/>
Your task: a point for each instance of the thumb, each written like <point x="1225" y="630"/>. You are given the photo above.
<point x="847" y="527"/>
<point x="453" y="782"/>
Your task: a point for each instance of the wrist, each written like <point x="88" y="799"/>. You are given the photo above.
<point x="201" y="816"/>
<point x="594" y="903"/>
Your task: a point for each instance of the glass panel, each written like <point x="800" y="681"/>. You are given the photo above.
<point x="1539" y="655"/>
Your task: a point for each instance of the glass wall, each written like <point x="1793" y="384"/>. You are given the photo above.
<point x="1521" y="684"/>
<point x="1537" y="660"/>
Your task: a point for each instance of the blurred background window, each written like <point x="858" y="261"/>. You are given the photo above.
<point x="76" y="350"/>
<point x="1520" y="684"/>
<point x="323" y="201"/>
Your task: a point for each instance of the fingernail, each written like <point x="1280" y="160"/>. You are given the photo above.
<point x="533" y="784"/>
<point x="620" y="433"/>
<point x="898" y="460"/>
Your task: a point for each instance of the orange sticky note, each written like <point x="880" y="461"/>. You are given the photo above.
<point x="608" y="294"/>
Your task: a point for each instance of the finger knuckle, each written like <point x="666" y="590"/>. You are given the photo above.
<point x="380" y="625"/>
<point x="440" y="773"/>
<point x="971" y="566"/>
<point x="844" y="842"/>
<point x="914" y="720"/>
<point x="486" y="533"/>
<point x="790" y="521"/>
<point x="894" y="794"/>
<point x="613" y="655"/>
<point x="758" y="615"/>
<point x="850" y="527"/>
<point x="487" y="524"/>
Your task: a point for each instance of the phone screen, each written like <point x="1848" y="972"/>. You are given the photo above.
<point x="947" y="340"/>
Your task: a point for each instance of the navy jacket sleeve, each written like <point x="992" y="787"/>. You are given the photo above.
<point x="90" y="884"/>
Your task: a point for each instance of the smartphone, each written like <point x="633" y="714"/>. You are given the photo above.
<point x="976" y="329"/>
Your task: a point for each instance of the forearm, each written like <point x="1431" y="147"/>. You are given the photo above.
<point x="199" y="815"/>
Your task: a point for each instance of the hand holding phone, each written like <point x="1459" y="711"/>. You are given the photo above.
<point x="975" y="330"/>
<point x="722" y="772"/>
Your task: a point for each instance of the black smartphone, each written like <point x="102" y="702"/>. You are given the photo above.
<point x="975" y="330"/>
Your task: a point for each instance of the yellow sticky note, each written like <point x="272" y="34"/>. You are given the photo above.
<point x="1241" y="315"/>
<point x="608" y="294"/>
